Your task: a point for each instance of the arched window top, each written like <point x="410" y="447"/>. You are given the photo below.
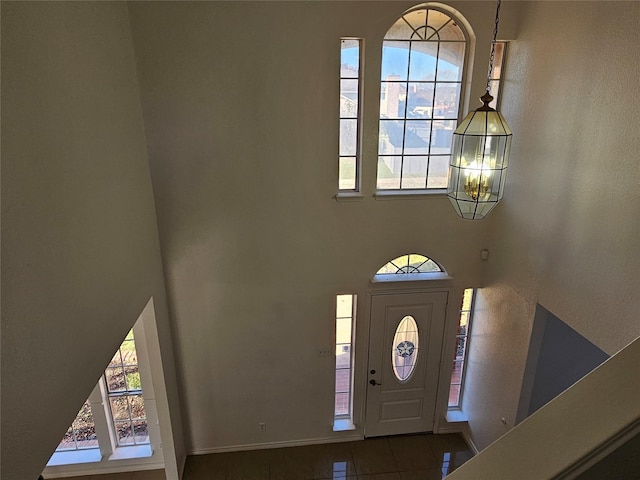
<point x="426" y="24"/>
<point x="424" y="54"/>
<point x="409" y="264"/>
<point x="412" y="266"/>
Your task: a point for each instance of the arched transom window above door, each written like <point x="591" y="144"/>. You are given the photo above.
<point x="412" y="266"/>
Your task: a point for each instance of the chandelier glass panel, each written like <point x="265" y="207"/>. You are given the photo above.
<point x="480" y="156"/>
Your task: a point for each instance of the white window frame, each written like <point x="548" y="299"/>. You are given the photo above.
<point x="343" y="422"/>
<point x="402" y="275"/>
<point x="465" y="355"/>
<point x="356" y="191"/>
<point x="499" y="66"/>
<point x="109" y="457"/>
<point x="462" y="101"/>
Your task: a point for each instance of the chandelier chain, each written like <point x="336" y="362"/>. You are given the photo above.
<point x="493" y="46"/>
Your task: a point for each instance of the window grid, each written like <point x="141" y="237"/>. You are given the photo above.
<point x="131" y="353"/>
<point x="350" y="114"/>
<point x="81" y="435"/>
<point x="345" y="327"/>
<point x="123" y="402"/>
<point x="414" y="147"/>
<point x="408" y="264"/>
<point x="124" y="391"/>
<point x="460" y="354"/>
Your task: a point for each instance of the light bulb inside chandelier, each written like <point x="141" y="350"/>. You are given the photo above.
<point x="480" y="155"/>
<point x="478" y="177"/>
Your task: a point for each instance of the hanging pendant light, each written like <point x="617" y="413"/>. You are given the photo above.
<point x="480" y="155"/>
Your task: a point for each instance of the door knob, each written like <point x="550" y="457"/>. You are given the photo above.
<point x="373" y="382"/>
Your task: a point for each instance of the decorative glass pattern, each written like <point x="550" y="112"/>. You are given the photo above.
<point x="423" y="56"/>
<point x="405" y="349"/>
<point x="404" y="354"/>
<point x="409" y="264"/>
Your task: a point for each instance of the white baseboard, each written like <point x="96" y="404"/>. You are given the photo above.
<point x="463" y="429"/>
<point x="263" y="446"/>
<point x="466" y="434"/>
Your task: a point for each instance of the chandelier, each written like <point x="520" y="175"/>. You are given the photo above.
<point x="480" y="155"/>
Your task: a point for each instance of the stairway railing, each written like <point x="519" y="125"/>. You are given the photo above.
<point x="570" y="433"/>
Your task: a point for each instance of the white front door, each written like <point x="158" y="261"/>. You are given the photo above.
<point x="405" y="342"/>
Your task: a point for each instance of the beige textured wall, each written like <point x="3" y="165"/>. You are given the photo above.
<point x="80" y="252"/>
<point x="568" y="232"/>
<point x="241" y="103"/>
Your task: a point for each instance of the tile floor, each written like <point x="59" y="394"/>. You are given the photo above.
<point x="142" y="475"/>
<point x="406" y="457"/>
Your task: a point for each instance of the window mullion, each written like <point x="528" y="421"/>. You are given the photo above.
<point x="99" y="403"/>
<point x="148" y="393"/>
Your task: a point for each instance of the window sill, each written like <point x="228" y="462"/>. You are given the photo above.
<point x="343" y="425"/>
<point x="93" y="455"/>
<point x="455" y="415"/>
<point x="74" y="456"/>
<point x="413" y="277"/>
<point x="130" y="453"/>
<point x="439" y="193"/>
<point x="348" y="196"/>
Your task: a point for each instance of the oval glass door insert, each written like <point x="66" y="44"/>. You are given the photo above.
<point x="404" y="350"/>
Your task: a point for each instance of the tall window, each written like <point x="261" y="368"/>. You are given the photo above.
<point x="460" y="355"/>
<point x="350" y="54"/>
<point x="423" y="56"/>
<point x="498" y="67"/>
<point x="113" y="416"/>
<point x="345" y="327"/>
<point x="124" y="391"/>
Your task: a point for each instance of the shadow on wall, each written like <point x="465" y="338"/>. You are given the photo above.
<point x="558" y="357"/>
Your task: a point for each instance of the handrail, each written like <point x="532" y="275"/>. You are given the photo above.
<point x="559" y="440"/>
<point x="600" y="452"/>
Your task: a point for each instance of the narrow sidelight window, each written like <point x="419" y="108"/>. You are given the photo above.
<point x="350" y="94"/>
<point x="345" y="328"/>
<point x="495" y="86"/>
<point x="460" y="354"/>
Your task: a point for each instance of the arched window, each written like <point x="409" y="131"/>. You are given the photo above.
<point x="423" y="58"/>
<point x="408" y="264"/>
